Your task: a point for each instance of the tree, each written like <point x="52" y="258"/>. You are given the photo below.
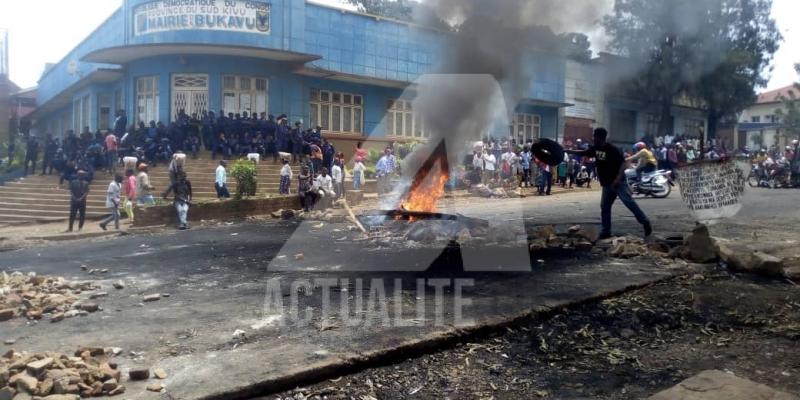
<point x="714" y="49"/>
<point x="576" y="46"/>
<point x="397" y="9"/>
<point x="742" y="38"/>
<point x="789" y="115"/>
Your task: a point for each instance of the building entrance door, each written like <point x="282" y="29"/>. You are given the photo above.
<point x="190" y="94"/>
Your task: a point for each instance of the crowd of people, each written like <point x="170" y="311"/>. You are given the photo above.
<point x="494" y="162"/>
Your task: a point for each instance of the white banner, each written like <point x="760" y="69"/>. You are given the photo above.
<point x="712" y="190"/>
<point x="249" y="16"/>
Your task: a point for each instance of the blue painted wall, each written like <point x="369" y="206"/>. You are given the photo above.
<point x="362" y="45"/>
<point x="58" y="78"/>
<point x="347" y="42"/>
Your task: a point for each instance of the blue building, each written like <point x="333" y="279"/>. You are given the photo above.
<point x="340" y="69"/>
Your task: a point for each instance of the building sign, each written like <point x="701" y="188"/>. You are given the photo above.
<point x="712" y="190"/>
<point x="249" y="16"/>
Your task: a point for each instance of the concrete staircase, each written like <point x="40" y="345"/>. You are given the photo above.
<point x="41" y="199"/>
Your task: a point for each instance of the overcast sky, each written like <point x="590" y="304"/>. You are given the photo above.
<point x="43" y="31"/>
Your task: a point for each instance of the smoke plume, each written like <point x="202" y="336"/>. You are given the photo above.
<point x="494" y="39"/>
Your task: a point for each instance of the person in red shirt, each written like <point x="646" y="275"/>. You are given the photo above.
<point x="361" y="153"/>
<point x="129" y="188"/>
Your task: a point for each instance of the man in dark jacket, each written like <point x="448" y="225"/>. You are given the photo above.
<point x="79" y="191"/>
<point x="31" y="154"/>
<point x="50" y="149"/>
<point x="120" y="124"/>
<point x="611" y="166"/>
<point x="182" y="188"/>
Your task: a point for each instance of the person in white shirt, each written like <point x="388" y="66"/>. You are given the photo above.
<point x="511" y="159"/>
<point x="338" y="180"/>
<point x="221" y="181"/>
<point x="323" y="188"/>
<point x="489" y="167"/>
<point x="286" y="177"/>
<point x="358" y="174"/>
<point x="112" y="202"/>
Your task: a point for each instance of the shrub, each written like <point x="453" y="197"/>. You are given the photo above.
<point x="244" y="171"/>
<point x="373" y="157"/>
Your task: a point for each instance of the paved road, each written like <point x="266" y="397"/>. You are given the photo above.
<point x="218" y="277"/>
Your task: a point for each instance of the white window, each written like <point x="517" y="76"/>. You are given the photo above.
<point x="80" y="114"/>
<point x="526" y="127"/>
<point x="147" y="99"/>
<point x="244" y="93"/>
<point x="337" y="112"/>
<point x="402" y="121"/>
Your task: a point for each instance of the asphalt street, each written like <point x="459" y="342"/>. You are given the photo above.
<point x="218" y="279"/>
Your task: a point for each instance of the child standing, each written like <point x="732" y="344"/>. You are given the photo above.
<point x="358" y="174"/>
<point x="286" y="177"/>
<point x="338" y="179"/>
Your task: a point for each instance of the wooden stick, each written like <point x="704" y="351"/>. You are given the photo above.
<point x="353" y="216"/>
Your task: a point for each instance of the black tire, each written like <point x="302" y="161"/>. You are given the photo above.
<point x="663" y="195"/>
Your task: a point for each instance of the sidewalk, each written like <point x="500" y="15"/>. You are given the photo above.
<point x="18" y="236"/>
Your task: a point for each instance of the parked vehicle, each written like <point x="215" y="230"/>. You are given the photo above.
<point x="657" y="184"/>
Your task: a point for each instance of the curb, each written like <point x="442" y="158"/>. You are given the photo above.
<point x="77" y="236"/>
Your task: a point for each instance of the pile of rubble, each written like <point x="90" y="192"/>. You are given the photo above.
<point x="34" y="296"/>
<point x="487" y="192"/>
<point x="697" y="247"/>
<point x="56" y="376"/>
<point x="576" y="237"/>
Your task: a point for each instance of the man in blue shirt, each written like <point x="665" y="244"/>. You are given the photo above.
<point x="384" y="170"/>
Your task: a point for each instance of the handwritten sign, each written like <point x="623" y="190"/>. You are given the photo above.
<point x="712" y="191"/>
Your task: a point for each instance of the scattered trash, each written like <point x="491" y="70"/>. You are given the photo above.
<point x="239" y="334"/>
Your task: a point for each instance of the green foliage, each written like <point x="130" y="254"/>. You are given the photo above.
<point x="714" y="49"/>
<point x="397" y="9"/>
<point x="373" y="156"/>
<point x="789" y="115"/>
<point x="406" y="148"/>
<point x="369" y="172"/>
<point x="19" y="157"/>
<point x="244" y="171"/>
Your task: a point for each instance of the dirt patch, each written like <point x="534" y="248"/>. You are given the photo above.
<point x="626" y="347"/>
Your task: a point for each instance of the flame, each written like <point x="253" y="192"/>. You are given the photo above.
<point x="426" y="190"/>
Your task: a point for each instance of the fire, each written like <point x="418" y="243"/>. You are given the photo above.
<point x="426" y="190"/>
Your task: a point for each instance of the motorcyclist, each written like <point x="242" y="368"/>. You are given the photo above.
<point x="644" y="159"/>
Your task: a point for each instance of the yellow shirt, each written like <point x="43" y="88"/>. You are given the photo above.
<point x="645" y="156"/>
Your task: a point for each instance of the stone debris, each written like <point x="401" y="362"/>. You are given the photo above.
<point x="700" y="245"/>
<point x="713" y="385"/>
<point x="155" y="387"/>
<point x="741" y="258"/>
<point x="152" y="297"/>
<point x="34" y="297"/>
<point x="576" y="237"/>
<point x="119" y="285"/>
<point x="56" y="376"/>
<point x="139" y="374"/>
<point x="288" y="214"/>
<point x="160" y="373"/>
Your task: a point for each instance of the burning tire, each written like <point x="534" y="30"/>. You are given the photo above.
<point x="548" y="151"/>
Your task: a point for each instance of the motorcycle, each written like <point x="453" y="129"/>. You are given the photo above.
<point x="756" y="177"/>
<point x="657" y="184"/>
